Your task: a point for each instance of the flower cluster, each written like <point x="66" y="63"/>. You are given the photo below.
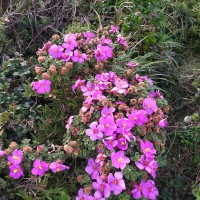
<point x="78" y="49"/>
<point x="116" y="129"/>
<point x="39" y="166"/>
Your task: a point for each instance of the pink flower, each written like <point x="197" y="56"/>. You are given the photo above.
<point x="92" y="168"/>
<point x="147" y="148"/>
<point x="150" y="105"/>
<point x="42" y="86"/>
<point x="106" y="41"/>
<point x="57" y="166"/>
<point x="97" y="196"/>
<point x="100" y="159"/>
<point x="55" y="51"/>
<point x="120" y="86"/>
<point x="116" y="182"/>
<point x="87" y="90"/>
<point x="15" y="171"/>
<point x="119" y="160"/>
<point x="16" y="157"/>
<point x="108" y="124"/>
<point x="138" y="117"/>
<point x="144" y="78"/>
<point x="162" y="123"/>
<point x="70" y="42"/>
<point x="137" y="191"/>
<point x="110" y="142"/>
<point x="104" y="77"/>
<point x="95" y="131"/>
<point x="129" y="135"/>
<point x="2" y="153"/>
<point x="122" y="41"/>
<point x="39" y="167"/>
<point x="70" y="120"/>
<point x="148" y="164"/>
<point x="103" y="189"/>
<point x="114" y="29"/>
<point x="67" y="55"/>
<point x="77" y="83"/>
<point x="122" y="144"/>
<point x="132" y="64"/>
<point x="124" y="125"/>
<point x="107" y="112"/>
<point x="103" y="52"/>
<point x="82" y="196"/>
<point x="88" y="35"/>
<point x="149" y="190"/>
<point x="78" y="57"/>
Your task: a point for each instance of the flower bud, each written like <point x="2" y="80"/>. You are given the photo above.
<point x="140" y="100"/>
<point x="133" y="101"/>
<point x="40" y="148"/>
<point x="46" y="76"/>
<point x="79" y="178"/>
<point x="38" y="70"/>
<point x="56" y="37"/>
<point x="68" y="149"/>
<point x="27" y="149"/>
<point x="63" y="70"/>
<point x="13" y="145"/>
<point x="41" y="59"/>
<point x="73" y="144"/>
<point x="88" y="190"/>
<point x="53" y="69"/>
<point x="7" y="151"/>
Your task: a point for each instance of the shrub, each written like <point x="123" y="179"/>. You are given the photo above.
<point x="117" y="136"/>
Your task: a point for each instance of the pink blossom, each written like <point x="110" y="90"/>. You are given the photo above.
<point x="104" y="77"/>
<point x="106" y="41"/>
<point x="100" y="159"/>
<point x="92" y="168"/>
<point x="70" y="120"/>
<point x="97" y="196"/>
<point x="88" y="35"/>
<point x="79" y="82"/>
<point x="95" y="131"/>
<point x="39" y="167"/>
<point x="122" y="41"/>
<point x="57" y="167"/>
<point x="122" y="144"/>
<point x="107" y="112"/>
<point x="119" y="160"/>
<point x="88" y="89"/>
<point x="110" y="142"/>
<point x="70" y="42"/>
<point x="137" y="191"/>
<point x="108" y="124"/>
<point x="138" y="117"/>
<point x="129" y="135"/>
<point x="114" y="29"/>
<point x="67" y="55"/>
<point x="162" y="123"/>
<point x="97" y="95"/>
<point x="2" y="153"/>
<point x="148" y="164"/>
<point x="79" y="57"/>
<point x="15" y="171"/>
<point x="112" y="76"/>
<point x="103" y="189"/>
<point x="124" y="125"/>
<point x="147" y="148"/>
<point x="120" y="86"/>
<point x="155" y="94"/>
<point x="149" y="190"/>
<point x="116" y="182"/>
<point x="150" y="105"/>
<point x="16" y="157"/>
<point x="144" y="78"/>
<point x="41" y="86"/>
<point x="103" y="52"/>
<point x="55" y="51"/>
<point x="82" y="196"/>
<point x="132" y="64"/>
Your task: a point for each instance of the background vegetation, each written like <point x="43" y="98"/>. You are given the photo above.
<point x="164" y="35"/>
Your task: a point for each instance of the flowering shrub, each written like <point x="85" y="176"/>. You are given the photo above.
<point x="117" y="137"/>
